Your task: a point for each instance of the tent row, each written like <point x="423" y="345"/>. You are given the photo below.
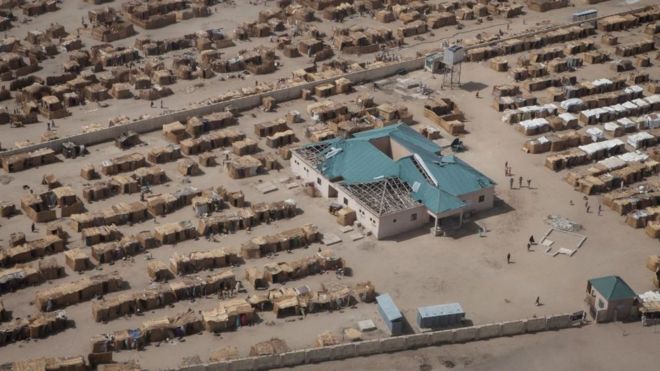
<point x="117" y="214"/>
<point x="84" y="289"/>
<point x="287" y="301"/>
<point x="23" y="275"/>
<point x="28" y="251"/>
<point x="40" y="326"/>
<point x="247" y="217"/>
<point x="196" y="261"/>
<point x="151" y="331"/>
<point x="289" y="239"/>
<point x="160" y="295"/>
<point x="281" y="272"/>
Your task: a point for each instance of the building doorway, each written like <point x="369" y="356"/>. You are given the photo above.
<point x="332" y="192"/>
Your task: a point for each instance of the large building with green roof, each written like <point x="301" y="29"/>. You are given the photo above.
<point x="395" y="179"/>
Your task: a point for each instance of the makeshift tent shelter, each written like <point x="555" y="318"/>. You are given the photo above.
<point x="225" y="353"/>
<point x="77" y="259"/>
<point x="158" y="270"/>
<point x="269" y="347"/>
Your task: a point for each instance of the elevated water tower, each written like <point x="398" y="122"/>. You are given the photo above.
<point x="453" y="59"/>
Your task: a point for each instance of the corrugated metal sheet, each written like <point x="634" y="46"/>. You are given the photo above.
<point x="387" y="306"/>
<point x="360" y="161"/>
<point x="439" y="315"/>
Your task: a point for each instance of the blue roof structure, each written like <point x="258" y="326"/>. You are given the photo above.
<point x="388" y="308"/>
<point x="440" y="310"/>
<point x="434" y="179"/>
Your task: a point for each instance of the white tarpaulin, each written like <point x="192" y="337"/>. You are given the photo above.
<point x="636" y="156"/>
<point x="638" y="139"/>
<point x="592" y="148"/>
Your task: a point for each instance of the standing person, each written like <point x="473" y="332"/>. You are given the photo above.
<point x="33" y="227"/>
<point x="531" y="240"/>
<point x="510" y="183"/>
<point x="529" y="183"/>
<point x="529" y="246"/>
<point x="161" y="103"/>
<point x="508" y="258"/>
<point x="48" y="125"/>
<point x="600" y="209"/>
<point x="519" y="182"/>
<point x="538" y="301"/>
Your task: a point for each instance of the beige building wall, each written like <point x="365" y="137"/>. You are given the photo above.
<point x="402" y="221"/>
<point x="474" y="201"/>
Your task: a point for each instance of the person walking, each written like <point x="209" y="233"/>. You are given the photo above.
<point x="508" y="258"/>
<point x="33" y="228"/>
<point x="538" y="301"/>
<point x="529" y="246"/>
<point x="529" y="183"/>
<point x="600" y="209"/>
<point x="510" y="183"/>
<point x="531" y="240"/>
<point x="520" y="182"/>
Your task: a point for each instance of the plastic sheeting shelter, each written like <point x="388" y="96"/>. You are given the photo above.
<point x="442" y="315"/>
<point x="390" y="313"/>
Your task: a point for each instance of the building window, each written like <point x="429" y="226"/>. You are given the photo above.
<point x="482" y="198"/>
<point x="318" y="180"/>
<point x="413" y="217"/>
<point x="345" y="201"/>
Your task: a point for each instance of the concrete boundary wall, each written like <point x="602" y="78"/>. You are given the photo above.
<point x="244" y="103"/>
<point x="393" y="344"/>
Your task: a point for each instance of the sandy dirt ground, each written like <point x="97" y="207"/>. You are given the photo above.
<point x="617" y="347"/>
<point x="415" y="268"/>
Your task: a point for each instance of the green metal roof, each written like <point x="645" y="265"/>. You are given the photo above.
<point x="372" y="162"/>
<point x="357" y="160"/>
<point x="612" y="288"/>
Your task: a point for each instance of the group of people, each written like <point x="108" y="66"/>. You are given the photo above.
<point x="509" y="173"/>
<point x="587" y="207"/>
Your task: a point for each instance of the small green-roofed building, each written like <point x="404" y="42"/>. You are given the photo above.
<point x="611" y="299"/>
<point x="394" y="179"/>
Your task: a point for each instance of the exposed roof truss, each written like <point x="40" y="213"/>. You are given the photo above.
<point x="313" y="153"/>
<point x="384" y="196"/>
